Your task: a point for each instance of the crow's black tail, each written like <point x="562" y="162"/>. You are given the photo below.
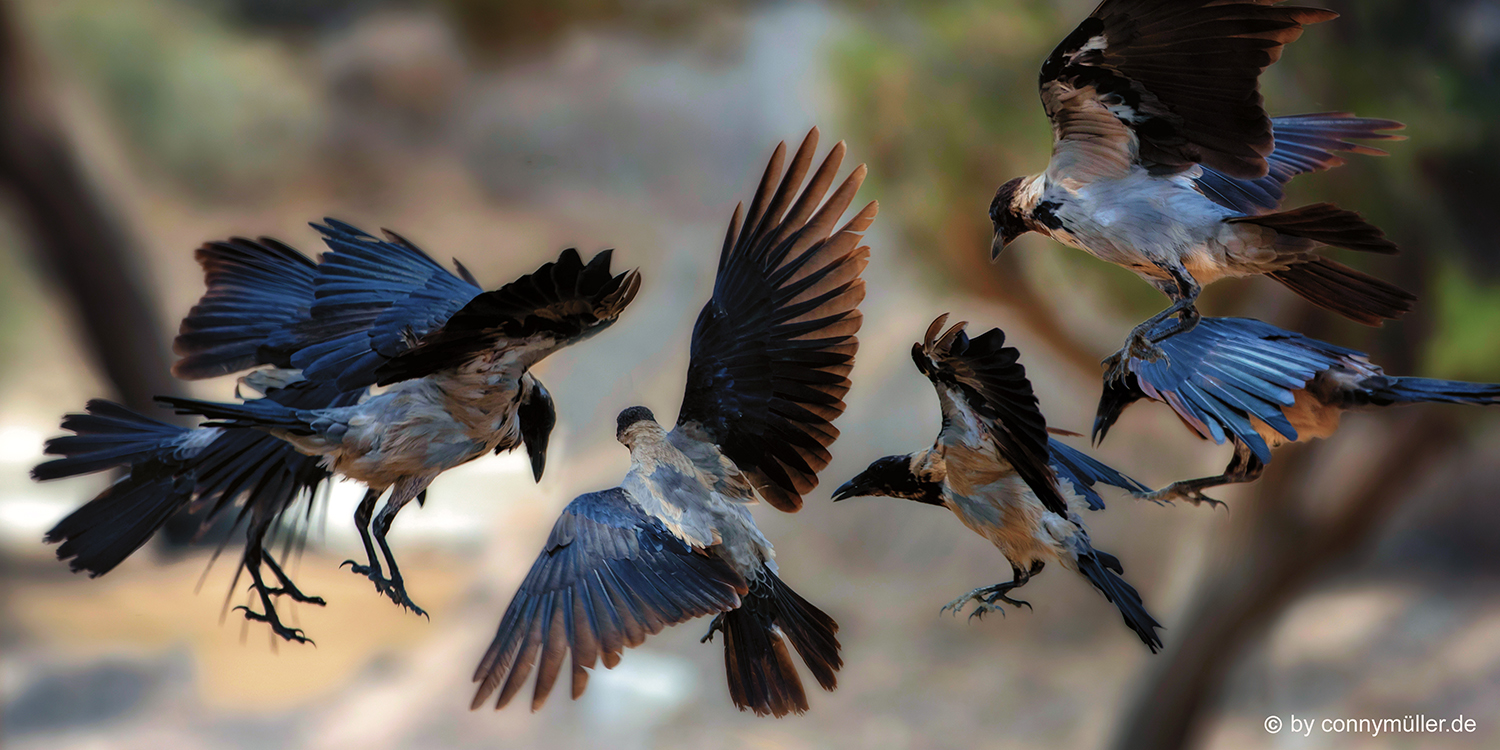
<point x="1384" y="391"/>
<point x="106" y="530"/>
<point x="762" y="677"/>
<point x="261" y="412"/>
<point x="1338" y="288"/>
<point x="169" y="467"/>
<point x="1101" y="569"/>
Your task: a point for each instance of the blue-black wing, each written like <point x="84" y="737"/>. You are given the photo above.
<point x="609" y="576"/>
<point x="773" y="348"/>
<point x="1222" y="374"/>
<point x="1084" y="471"/>
<point x="259" y="295"/>
<point x="1304" y="144"/>
<point x="372" y="296"/>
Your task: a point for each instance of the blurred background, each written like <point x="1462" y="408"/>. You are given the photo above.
<point x="1359" y="579"/>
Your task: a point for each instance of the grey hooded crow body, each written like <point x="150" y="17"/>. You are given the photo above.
<point x="1165" y="163"/>
<point x="1259" y="387"/>
<point x="995" y="467"/>
<point x="771" y="355"/>
<point x="453" y="358"/>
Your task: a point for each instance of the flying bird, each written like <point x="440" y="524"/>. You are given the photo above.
<point x="455" y="359"/>
<point x="1164" y="161"/>
<point x="210" y="471"/>
<point x="1260" y="387"/>
<point x="995" y="467"/>
<point x="771" y="355"/>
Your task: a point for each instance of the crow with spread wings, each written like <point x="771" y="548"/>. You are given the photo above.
<point x="1165" y="163"/>
<point x="995" y="467"/>
<point x="1260" y="387"/>
<point x="771" y="355"/>
<point x="455" y="359"/>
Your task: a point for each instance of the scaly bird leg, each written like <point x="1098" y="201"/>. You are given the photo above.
<point x="985" y="597"/>
<point x="254" y="556"/>
<point x="288" y="589"/>
<point x="405" y="491"/>
<point x="716" y="626"/>
<point x="362" y="516"/>
<point x="1244" y="467"/>
<point x="1144" y="340"/>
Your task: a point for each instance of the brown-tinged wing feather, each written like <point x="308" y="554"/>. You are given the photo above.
<point x="773" y="348"/>
<point x="989" y="378"/>
<point x="1180" y="76"/>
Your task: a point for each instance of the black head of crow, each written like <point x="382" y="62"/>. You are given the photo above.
<point x="771" y="354"/>
<point x="892" y="476"/>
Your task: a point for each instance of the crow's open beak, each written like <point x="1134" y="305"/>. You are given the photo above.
<point x="847" y="490"/>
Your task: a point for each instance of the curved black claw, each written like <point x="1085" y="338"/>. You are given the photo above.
<point x="396" y="590"/>
<point x="270" y="618"/>
<point x="372" y="572"/>
<point x="715" y="626"/>
<point x="1000" y="596"/>
<point x="1137" y="346"/>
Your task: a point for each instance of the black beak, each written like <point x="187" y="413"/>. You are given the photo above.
<point x="851" y="488"/>
<point x="537" y="452"/>
<point x="1001" y="241"/>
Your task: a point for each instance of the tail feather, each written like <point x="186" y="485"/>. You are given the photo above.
<point x="1101" y="568"/>
<point x="1341" y="289"/>
<point x="1384" y="391"/>
<point x="762" y="676"/>
<point x="108" y="435"/>
<point x="260" y="412"/>
<point x="106" y="530"/>
<point x="1327" y="224"/>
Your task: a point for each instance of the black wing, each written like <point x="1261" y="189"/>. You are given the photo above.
<point x="773" y="348"/>
<point x="988" y="378"/>
<point x="1181" y="75"/>
<point x="372" y="294"/>
<point x="1084" y="471"/>
<point x="561" y="303"/>
<point x="258" y="293"/>
<point x="609" y="576"/>
<point x="1304" y="144"/>
<point x="1221" y="375"/>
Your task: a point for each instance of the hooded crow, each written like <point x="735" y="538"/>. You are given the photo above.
<point x="994" y="466"/>
<point x="383" y="313"/>
<point x="1165" y="162"/>
<point x="771" y="355"/>
<point x="1259" y="387"/>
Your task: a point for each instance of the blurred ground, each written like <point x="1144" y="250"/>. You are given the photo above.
<point x="248" y="118"/>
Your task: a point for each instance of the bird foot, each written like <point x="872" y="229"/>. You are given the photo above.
<point x="392" y="587"/>
<point x="1138" y="346"/>
<point x="1166" y="495"/>
<point x="270" y="618"/>
<point x="985" y="599"/>
<point x="717" y="625"/>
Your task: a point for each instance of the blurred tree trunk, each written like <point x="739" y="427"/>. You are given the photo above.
<point x="1286" y="541"/>
<point x="75" y="233"/>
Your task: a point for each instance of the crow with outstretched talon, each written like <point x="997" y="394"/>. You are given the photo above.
<point x="995" y="467"/>
<point x="1260" y="387"/>
<point x="455" y="359"/>
<point x="1164" y="162"/>
<point x="771" y="355"/>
